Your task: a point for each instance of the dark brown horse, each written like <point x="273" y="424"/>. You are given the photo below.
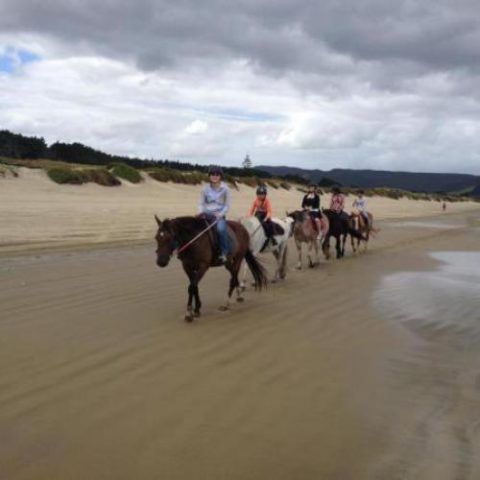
<point x="340" y="228"/>
<point x="201" y="254"/>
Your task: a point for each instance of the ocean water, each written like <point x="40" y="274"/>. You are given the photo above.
<point x="442" y="305"/>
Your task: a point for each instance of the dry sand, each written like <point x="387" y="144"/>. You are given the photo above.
<point x="101" y="379"/>
<point x="36" y="213"/>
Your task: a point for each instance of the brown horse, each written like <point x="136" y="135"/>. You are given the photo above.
<point x="357" y="222"/>
<point x="197" y="247"/>
<point x="304" y="231"/>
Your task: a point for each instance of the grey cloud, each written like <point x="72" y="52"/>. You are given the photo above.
<point x="278" y="36"/>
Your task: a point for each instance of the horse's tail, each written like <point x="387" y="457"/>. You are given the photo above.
<point x="258" y="271"/>
<point x="356" y="234"/>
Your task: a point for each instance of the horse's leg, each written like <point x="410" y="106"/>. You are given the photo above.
<point x="344" y="241"/>
<point x="277" y="255"/>
<point x="326" y="247"/>
<point x="337" y="247"/>
<point x="353" y="244"/>
<point x="317" y="252"/>
<point x="283" y="261"/>
<point x="193" y="295"/>
<point x="299" y="250"/>
<point x="239" y="290"/>
<point x="243" y="284"/>
<point x="309" y="254"/>
<point x="199" y="275"/>
<point x="234" y="284"/>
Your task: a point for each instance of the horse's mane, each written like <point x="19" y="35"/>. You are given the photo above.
<point x="185" y="227"/>
<point x="297" y="215"/>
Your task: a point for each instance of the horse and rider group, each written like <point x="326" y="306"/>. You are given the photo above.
<point x="209" y="240"/>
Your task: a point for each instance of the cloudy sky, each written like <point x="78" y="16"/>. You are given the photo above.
<point x="376" y="84"/>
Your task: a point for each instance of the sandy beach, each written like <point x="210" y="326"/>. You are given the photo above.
<point x="36" y="213"/>
<point x="354" y="370"/>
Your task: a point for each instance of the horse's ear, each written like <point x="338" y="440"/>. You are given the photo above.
<point x="159" y="222"/>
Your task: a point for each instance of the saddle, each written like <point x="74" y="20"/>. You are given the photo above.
<point x="215" y="242"/>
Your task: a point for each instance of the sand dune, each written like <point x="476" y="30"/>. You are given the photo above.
<point x="311" y="379"/>
<point x="36" y="213"/>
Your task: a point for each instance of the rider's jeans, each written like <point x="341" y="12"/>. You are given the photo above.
<point x="223" y="236"/>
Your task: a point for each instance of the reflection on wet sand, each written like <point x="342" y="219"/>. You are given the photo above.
<point x="435" y="384"/>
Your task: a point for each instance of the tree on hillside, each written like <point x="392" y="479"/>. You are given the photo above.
<point x="247" y="162"/>
<point x="14" y="145"/>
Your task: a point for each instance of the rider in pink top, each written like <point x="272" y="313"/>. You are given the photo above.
<point x="337" y="202"/>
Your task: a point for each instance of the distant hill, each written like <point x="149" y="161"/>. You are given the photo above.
<point x="414" y="182"/>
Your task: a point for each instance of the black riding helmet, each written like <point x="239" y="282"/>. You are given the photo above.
<point x="215" y="170"/>
<point x="261" y="190"/>
<point x="336" y="190"/>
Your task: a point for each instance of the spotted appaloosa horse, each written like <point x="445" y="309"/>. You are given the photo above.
<point x="201" y="254"/>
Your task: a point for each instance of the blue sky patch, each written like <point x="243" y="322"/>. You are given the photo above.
<point x="11" y="59"/>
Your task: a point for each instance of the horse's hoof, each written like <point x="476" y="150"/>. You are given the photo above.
<point x="273" y="280"/>
<point x="298" y="267"/>
<point x="196" y="313"/>
<point x="223" y="308"/>
<point x="240" y="299"/>
<point x="189" y="318"/>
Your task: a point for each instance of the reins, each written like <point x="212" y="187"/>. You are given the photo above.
<point x="205" y="230"/>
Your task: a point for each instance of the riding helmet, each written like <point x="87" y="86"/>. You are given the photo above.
<point x="215" y="170"/>
<point x="261" y="190"/>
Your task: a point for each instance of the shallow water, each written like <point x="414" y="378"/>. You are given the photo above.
<point x="442" y="304"/>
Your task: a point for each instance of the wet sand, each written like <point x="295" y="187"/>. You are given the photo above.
<point x="319" y="377"/>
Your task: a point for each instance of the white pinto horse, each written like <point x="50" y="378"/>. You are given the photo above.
<point x="258" y="239"/>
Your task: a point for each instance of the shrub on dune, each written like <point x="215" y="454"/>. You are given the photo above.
<point x="66" y="176"/>
<point x="101" y="176"/>
<point x="126" y="172"/>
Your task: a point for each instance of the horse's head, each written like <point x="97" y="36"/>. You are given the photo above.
<point x="354" y="220"/>
<point x="166" y="244"/>
<point x="296" y="215"/>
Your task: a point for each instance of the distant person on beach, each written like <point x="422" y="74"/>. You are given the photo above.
<point x="311" y="203"/>
<point x="360" y="204"/>
<point x="444" y="206"/>
<point x="262" y="209"/>
<point x="214" y="205"/>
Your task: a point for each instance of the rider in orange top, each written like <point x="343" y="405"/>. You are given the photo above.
<point x="262" y="209"/>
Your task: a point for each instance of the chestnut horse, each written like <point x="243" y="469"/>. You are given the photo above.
<point x="196" y="244"/>
<point x="357" y="222"/>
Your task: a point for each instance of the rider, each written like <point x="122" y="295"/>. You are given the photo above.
<point x="337" y="203"/>
<point x="214" y="205"/>
<point x="311" y="203"/>
<point x="361" y="205"/>
<point x="262" y="209"/>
